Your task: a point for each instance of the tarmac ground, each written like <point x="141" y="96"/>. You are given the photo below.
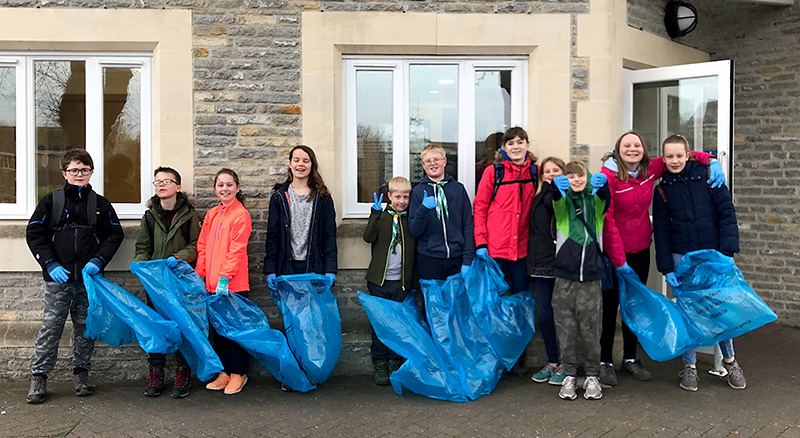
<point x="352" y="406"/>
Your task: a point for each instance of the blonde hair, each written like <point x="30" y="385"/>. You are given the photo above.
<point x="432" y="148"/>
<point x="575" y="168"/>
<point x="399" y="184"/>
<point x="557" y="161"/>
<point x="679" y="139"/>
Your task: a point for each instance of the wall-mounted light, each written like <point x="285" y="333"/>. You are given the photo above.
<point x="680" y="18"/>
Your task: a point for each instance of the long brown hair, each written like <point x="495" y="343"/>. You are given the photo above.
<point x="315" y="182"/>
<point x="557" y="161"/>
<point x="226" y="171"/>
<point x="643" y="165"/>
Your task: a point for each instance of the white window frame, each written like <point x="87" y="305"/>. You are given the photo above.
<point x="26" y="131"/>
<point x="399" y="66"/>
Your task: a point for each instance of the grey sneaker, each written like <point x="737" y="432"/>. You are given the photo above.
<point x="736" y="378"/>
<point x="607" y="374"/>
<point x="592" y="389"/>
<point x="38" y="391"/>
<point x="81" y="383"/>
<point x="636" y="369"/>
<point x="689" y="378"/>
<point x="569" y="388"/>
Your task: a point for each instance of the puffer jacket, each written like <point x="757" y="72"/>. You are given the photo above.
<point x="502" y="226"/>
<point x="222" y="247"/>
<point x="542" y="239"/>
<point x="627" y="228"/>
<point x="168" y="242"/>
<point x="691" y="216"/>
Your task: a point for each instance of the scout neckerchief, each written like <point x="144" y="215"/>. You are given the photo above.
<point x="441" y="199"/>
<point x="395" y="228"/>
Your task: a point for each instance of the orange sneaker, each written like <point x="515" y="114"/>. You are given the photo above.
<point x="236" y="384"/>
<point x="219" y="383"/>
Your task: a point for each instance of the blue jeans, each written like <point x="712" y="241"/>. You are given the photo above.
<point x="690" y="357"/>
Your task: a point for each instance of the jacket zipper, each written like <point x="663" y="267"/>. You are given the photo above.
<point x="311" y="233"/>
<point x="585" y="235"/>
<point x="214" y="241"/>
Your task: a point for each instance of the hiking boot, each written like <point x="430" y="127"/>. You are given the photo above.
<point x="736" y="378"/>
<point x="381" y="372"/>
<point x="636" y="369"/>
<point x="544" y="374"/>
<point x="592" y="389"/>
<point x="38" y="391"/>
<point x="569" y="388"/>
<point x="689" y="378"/>
<point x="558" y="377"/>
<point x="236" y="384"/>
<point x="155" y="382"/>
<point x="394" y="365"/>
<point x="183" y="382"/>
<point x="219" y="383"/>
<point x="607" y="374"/>
<point x="81" y="383"/>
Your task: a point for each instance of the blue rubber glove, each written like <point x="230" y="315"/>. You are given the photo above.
<point x="377" y="205"/>
<point x="672" y="280"/>
<point x="482" y="253"/>
<point x="598" y="181"/>
<point x="93" y="267"/>
<point x="717" y="176"/>
<point x="172" y="262"/>
<point x="272" y="281"/>
<point x="626" y="269"/>
<point x="331" y="277"/>
<point x="222" y="286"/>
<point x="562" y="183"/>
<point x="57" y="272"/>
<point x="464" y="271"/>
<point x="428" y="202"/>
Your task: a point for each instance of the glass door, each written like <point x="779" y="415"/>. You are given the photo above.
<point x="693" y="100"/>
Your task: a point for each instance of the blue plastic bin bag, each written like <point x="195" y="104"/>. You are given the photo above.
<point x="506" y="321"/>
<point x="312" y="322"/>
<point x="458" y="336"/>
<point x="717" y="299"/>
<point x="242" y="321"/>
<point x="402" y="328"/>
<point x="180" y="295"/>
<point x="660" y="325"/>
<point x="117" y="317"/>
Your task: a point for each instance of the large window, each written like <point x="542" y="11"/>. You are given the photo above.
<point x="51" y="103"/>
<point x="394" y="107"/>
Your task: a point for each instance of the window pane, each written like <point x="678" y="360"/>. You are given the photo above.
<point x="433" y="115"/>
<point x="60" y="100"/>
<point x="373" y="132"/>
<point x="8" y="130"/>
<point x="122" y="134"/>
<point x="492" y="116"/>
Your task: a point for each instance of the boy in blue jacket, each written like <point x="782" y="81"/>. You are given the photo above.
<point x="440" y="218"/>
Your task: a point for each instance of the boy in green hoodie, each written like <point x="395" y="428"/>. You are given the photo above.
<point x="168" y="230"/>
<point x="392" y="271"/>
<point x="579" y="208"/>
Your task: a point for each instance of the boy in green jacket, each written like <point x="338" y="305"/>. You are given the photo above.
<point x="392" y="270"/>
<point x="168" y="230"/>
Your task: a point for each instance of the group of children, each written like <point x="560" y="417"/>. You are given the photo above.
<point x="543" y="224"/>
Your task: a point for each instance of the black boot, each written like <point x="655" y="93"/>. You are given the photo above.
<point x="381" y="372"/>
<point x="155" y="382"/>
<point x="38" y="391"/>
<point x="183" y="382"/>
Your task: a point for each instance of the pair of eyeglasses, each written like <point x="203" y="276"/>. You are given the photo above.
<point x="432" y="160"/>
<point x="74" y="172"/>
<point x="163" y="182"/>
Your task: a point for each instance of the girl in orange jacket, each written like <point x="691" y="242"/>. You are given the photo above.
<point x="222" y="261"/>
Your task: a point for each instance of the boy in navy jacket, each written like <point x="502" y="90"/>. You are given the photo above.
<point x="440" y="218"/>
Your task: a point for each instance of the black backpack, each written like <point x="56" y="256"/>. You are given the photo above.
<point x="57" y="210"/>
<point x="500" y="170"/>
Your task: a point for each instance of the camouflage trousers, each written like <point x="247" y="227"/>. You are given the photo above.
<point x="60" y="300"/>
<point x="577" y="309"/>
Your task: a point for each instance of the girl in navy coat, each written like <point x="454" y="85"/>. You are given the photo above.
<point x="688" y="215"/>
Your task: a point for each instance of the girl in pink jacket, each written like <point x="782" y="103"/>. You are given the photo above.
<point x="627" y="233"/>
<point x="222" y="260"/>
